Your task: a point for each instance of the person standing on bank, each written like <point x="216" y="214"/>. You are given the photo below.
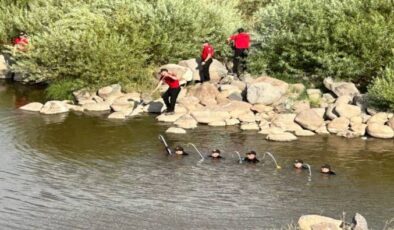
<point x="206" y="61"/>
<point x="170" y="96"/>
<point x="241" y="45"/>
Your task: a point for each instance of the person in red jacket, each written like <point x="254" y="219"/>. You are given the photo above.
<point x="21" y="41"/>
<point x="241" y="45"/>
<point x="170" y="96"/>
<point x="206" y="61"/>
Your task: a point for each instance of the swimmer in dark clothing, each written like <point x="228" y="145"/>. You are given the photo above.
<point x="299" y="164"/>
<point x="251" y="157"/>
<point x="179" y="151"/>
<point x="326" y="169"/>
<point x="215" y="154"/>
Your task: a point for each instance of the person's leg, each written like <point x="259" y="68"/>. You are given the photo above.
<point x="206" y="70"/>
<point x="244" y="56"/>
<point x="166" y="98"/>
<point x="173" y="96"/>
<point x="237" y="61"/>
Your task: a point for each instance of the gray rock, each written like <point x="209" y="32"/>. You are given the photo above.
<point x="54" y="107"/>
<point x="285" y="136"/>
<point x="96" y="107"/>
<point x="176" y="130"/>
<point x="263" y="93"/>
<point x="359" y="222"/>
<point x="341" y="88"/>
<point x="117" y="116"/>
<point x="108" y="92"/>
<point x="33" y="107"/>
<point x="186" y="122"/>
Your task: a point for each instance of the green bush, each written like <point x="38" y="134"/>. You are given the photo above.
<point x="113" y="41"/>
<point x="350" y="40"/>
<point x="381" y="90"/>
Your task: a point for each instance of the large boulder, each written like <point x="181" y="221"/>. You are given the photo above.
<point x="216" y="70"/>
<point x="217" y="123"/>
<point x="33" y="107"/>
<point x="263" y="93"/>
<point x="300" y="106"/>
<point x="341" y="88"/>
<point x="380" y="131"/>
<point x="379" y="118"/>
<point x="309" y="119"/>
<point x="97" y="107"/>
<point x="186" y="122"/>
<point x="307" y="221"/>
<point x="260" y="108"/>
<point x="285" y="136"/>
<point x="358" y="128"/>
<point x="205" y="92"/>
<point x="339" y="124"/>
<point x="322" y="130"/>
<point x="279" y="84"/>
<point x="285" y="121"/>
<point x="182" y="72"/>
<point x="3" y="68"/>
<point x="232" y="121"/>
<point x="236" y="108"/>
<point x="110" y="92"/>
<point x="206" y="116"/>
<point x="54" y="107"/>
<point x="348" y="111"/>
<point x="123" y="106"/>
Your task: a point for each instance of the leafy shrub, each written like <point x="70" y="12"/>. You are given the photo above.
<point x="113" y="41"/>
<point x="351" y="40"/>
<point x="381" y="90"/>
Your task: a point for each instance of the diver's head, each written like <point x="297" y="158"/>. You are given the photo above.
<point x="298" y="164"/>
<point x="179" y="150"/>
<point x="251" y="155"/>
<point x="326" y="168"/>
<point x="215" y="153"/>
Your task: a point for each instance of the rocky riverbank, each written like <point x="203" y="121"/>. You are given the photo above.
<point x="268" y="106"/>
<point x="317" y="222"/>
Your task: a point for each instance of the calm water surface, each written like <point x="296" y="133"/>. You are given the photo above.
<point x="75" y="171"/>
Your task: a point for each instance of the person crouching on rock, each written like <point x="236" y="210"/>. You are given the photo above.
<point x="326" y="169"/>
<point x="172" y="93"/>
<point x="251" y="157"/>
<point x="215" y="154"/>
<point x="180" y="152"/>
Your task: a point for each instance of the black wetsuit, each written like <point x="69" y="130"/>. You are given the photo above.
<point x="247" y="160"/>
<point x="216" y="158"/>
<point x="329" y="173"/>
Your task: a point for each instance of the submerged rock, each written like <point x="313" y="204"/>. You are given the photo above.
<point x="284" y="136"/>
<point x="117" y="115"/>
<point x="304" y="133"/>
<point x="186" y="122"/>
<point x="33" y="107"/>
<point x="54" y="107"/>
<point x="176" y="130"/>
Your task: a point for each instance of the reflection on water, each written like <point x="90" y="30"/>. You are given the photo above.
<point x="84" y="172"/>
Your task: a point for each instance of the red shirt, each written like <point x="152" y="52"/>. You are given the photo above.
<point x="173" y="84"/>
<point x="241" y="40"/>
<point x="21" y="41"/>
<point x="207" y="50"/>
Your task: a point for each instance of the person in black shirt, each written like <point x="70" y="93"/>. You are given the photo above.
<point x="326" y="169"/>
<point x="179" y="151"/>
<point x="251" y="157"/>
<point x="299" y="164"/>
<point x="215" y="154"/>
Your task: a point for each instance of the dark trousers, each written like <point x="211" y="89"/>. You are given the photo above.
<point x="204" y="75"/>
<point x="170" y="97"/>
<point x="239" y="61"/>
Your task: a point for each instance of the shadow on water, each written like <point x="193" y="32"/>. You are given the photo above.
<point x="76" y="171"/>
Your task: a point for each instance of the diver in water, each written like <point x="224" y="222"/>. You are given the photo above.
<point x="215" y="155"/>
<point x="251" y="157"/>
<point x="180" y="152"/>
<point x="326" y="169"/>
<point x="299" y="164"/>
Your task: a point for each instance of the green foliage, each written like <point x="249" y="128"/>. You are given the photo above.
<point x="350" y="40"/>
<point x="61" y="90"/>
<point x="103" y="42"/>
<point x="381" y="90"/>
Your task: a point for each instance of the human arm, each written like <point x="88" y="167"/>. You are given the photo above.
<point x="158" y="86"/>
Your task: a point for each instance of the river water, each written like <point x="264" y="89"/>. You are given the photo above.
<point x="76" y="171"/>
